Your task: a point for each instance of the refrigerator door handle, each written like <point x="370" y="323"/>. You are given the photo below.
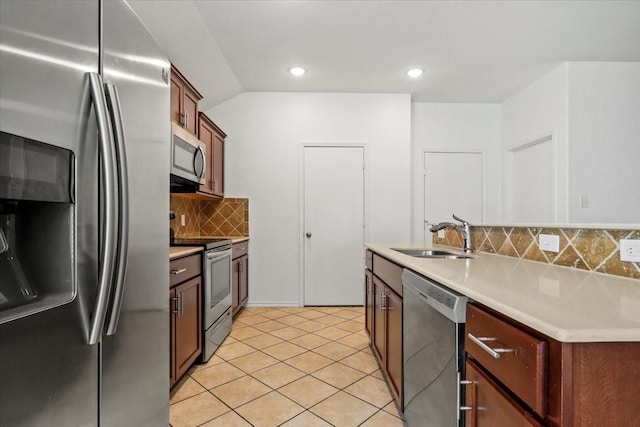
<point x="108" y="246"/>
<point x="113" y="104"/>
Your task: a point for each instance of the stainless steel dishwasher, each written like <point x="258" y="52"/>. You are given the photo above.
<point x="433" y="337"/>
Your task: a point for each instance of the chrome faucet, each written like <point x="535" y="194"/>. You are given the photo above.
<point x="464" y="229"/>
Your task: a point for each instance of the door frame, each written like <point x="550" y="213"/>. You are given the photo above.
<point x="485" y="164"/>
<point x="301" y="204"/>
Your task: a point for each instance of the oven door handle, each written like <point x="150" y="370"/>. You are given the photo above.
<point x="211" y="255"/>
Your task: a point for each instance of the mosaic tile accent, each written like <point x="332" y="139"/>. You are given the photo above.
<point x="226" y="217"/>
<point x="584" y="248"/>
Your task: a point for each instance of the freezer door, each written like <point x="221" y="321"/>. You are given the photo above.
<point x="135" y="359"/>
<point x="48" y="373"/>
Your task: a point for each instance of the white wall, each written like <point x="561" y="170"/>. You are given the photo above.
<point x="458" y="127"/>
<point x="533" y="113"/>
<point x="604" y="133"/>
<point x="262" y="158"/>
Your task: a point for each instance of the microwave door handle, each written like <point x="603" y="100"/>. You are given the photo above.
<point x="199" y="153"/>
<point x="108" y="246"/>
<point x="113" y="103"/>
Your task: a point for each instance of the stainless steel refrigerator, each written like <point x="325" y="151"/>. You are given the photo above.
<point x="84" y="174"/>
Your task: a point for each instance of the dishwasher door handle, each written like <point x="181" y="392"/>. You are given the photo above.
<point x="494" y="352"/>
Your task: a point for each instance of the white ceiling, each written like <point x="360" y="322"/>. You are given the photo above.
<point x="471" y="51"/>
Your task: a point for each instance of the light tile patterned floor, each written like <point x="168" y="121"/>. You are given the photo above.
<point x="288" y="367"/>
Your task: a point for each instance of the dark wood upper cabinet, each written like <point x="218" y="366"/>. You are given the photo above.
<point x="184" y="102"/>
<point x="213" y="139"/>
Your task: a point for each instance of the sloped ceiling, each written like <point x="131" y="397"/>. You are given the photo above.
<point x="471" y="51"/>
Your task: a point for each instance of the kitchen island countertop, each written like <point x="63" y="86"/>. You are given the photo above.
<point x="567" y="304"/>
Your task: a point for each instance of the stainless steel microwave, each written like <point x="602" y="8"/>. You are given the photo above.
<point x="187" y="158"/>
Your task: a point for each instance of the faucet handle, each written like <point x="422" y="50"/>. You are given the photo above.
<point x="464" y="222"/>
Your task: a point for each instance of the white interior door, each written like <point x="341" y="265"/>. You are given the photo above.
<point x="333" y="225"/>
<point x="453" y="183"/>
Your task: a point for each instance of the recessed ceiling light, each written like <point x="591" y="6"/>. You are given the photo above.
<point x="297" y="71"/>
<point x="415" y="72"/>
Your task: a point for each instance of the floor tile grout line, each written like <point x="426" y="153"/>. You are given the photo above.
<point x="356" y="350"/>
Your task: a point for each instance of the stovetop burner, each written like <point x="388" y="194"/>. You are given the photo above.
<point x="205" y="242"/>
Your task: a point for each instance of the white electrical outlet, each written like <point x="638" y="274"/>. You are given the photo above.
<point x="584" y="202"/>
<point x="549" y="242"/>
<point x="183" y="222"/>
<point x="441" y="234"/>
<point x="630" y="250"/>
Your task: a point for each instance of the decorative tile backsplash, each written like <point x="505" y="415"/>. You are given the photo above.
<point x="583" y="248"/>
<point x="226" y="217"/>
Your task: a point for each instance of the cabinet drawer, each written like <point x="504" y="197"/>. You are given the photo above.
<point x="185" y="268"/>
<point x="513" y="356"/>
<point x="369" y="260"/>
<point x="239" y="249"/>
<point x="389" y="272"/>
<point x="490" y="405"/>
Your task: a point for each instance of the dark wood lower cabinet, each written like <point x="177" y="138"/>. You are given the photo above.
<point x="239" y="276"/>
<point x="542" y="381"/>
<point x="394" y="362"/>
<point x="186" y="326"/>
<point x="386" y="324"/>
<point x="490" y="405"/>
<point x="378" y="340"/>
<point x="368" y="302"/>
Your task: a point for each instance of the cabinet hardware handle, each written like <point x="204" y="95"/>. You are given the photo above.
<point x="182" y="270"/>
<point x="466" y="408"/>
<point x="383" y="301"/>
<point x="181" y="304"/>
<point x="494" y="352"/>
<point x="186" y="119"/>
<point x="175" y="305"/>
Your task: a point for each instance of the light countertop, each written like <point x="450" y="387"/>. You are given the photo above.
<point x="180" y="251"/>
<point x="234" y="239"/>
<point x="567" y="304"/>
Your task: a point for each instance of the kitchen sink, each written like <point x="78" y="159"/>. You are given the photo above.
<point x="430" y="253"/>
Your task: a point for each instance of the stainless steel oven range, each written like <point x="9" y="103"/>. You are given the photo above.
<point x="216" y="288"/>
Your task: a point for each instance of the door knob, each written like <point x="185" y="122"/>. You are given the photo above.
<point x="308" y="234"/>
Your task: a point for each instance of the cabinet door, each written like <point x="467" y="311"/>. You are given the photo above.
<point x="393" y="364"/>
<point x="244" y="280"/>
<point x="368" y="302"/>
<point x="172" y="340"/>
<point x="188" y="325"/>
<point x="206" y="136"/>
<point x="235" y="285"/>
<point x="490" y="405"/>
<point x="175" y="111"/>
<point x="190" y="110"/>
<point x="218" y="165"/>
<point x="378" y="320"/>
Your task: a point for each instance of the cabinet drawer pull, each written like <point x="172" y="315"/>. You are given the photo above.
<point x="494" y="352"/>
<point x="182" y="270"/>
<point x="176" y="303"/>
